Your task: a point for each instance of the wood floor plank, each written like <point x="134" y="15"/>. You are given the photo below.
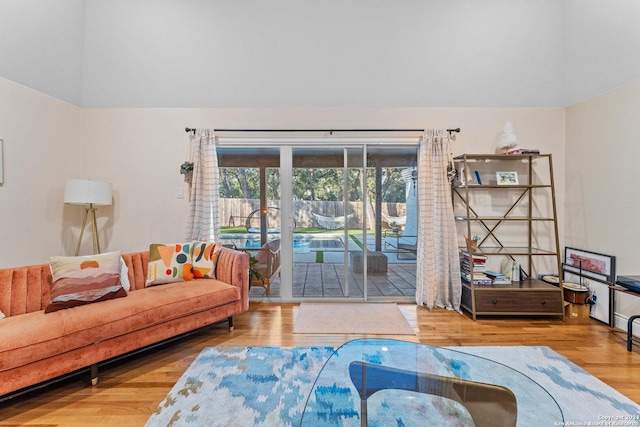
<point x="129" y="390"/>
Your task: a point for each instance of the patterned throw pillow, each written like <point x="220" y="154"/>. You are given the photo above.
<point x="205" y="256"/>
<point x="169" y="263"/>
<point x="84" y="280"/>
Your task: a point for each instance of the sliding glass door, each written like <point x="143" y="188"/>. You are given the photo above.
<point x="339" y="214"/>
<point x="250" y="212"/>
<point x="327" y="208"/>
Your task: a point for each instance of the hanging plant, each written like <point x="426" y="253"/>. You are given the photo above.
<point x="186" y="169"/>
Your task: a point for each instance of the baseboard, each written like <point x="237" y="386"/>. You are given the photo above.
<point x="621" y="321"/>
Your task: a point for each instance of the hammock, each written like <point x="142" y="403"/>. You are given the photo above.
<point x="400" y="220"/>
<point x="331" y="222"/>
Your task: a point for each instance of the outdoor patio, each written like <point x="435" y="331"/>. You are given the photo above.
<point x="327" y="279"/>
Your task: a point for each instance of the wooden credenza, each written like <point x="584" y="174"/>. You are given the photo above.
<point x="529" y="296"/>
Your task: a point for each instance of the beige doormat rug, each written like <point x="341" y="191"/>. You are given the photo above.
<point x="351" y="318"/>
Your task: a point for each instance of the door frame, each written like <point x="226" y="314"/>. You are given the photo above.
<point x="285" y="144"/>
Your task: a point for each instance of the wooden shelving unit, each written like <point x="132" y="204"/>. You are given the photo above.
<point x="515" y="221"/>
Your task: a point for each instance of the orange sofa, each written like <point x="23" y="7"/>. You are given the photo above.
<point x="36" y="347"/>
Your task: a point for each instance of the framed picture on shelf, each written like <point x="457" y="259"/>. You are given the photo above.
<point x="507" y="178"/>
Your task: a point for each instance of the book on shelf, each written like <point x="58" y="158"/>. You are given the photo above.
<point x="477" y="264"/>
<point x="483" y="279"/>
<point x="465" y="265"/>
<point x="478" y="179"/>
<point x="493" y="274"/>
<point x="498" y="278"/>
<point x="477" y="259"/>
<point x="476" y="280"/>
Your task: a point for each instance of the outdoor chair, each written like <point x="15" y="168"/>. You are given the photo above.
<point x="267" y="264"/>
<point x="411" y="248"/>
<point x="390" y="220"/>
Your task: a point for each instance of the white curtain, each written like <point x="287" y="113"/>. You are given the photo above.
<point x="203" y="221"/>
<point x="438" y="270"/>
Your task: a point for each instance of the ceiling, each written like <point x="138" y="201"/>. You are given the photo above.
<point x="321" y="54"/>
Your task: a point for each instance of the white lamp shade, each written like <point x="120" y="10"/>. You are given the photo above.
<point x="86" y="191"/>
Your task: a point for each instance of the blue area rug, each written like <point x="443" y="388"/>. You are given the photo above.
<point x="269" y="386"/>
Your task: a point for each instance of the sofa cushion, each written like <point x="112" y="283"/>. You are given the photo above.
<point x="34" y="336"/>
<point x="83" y="280"/>
<point x="169" y="263"/>
<point x="205" y="256"/>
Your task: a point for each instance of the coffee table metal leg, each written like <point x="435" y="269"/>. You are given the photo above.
<point x="630" y="331"/>
<point x="364" y="421"/>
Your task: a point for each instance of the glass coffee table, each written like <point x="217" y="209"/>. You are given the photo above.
<point x="383" y="382"/>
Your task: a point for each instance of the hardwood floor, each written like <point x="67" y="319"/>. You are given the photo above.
<point x="130" y="389"/>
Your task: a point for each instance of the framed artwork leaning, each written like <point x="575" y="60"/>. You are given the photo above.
<point x="590" y="264"/>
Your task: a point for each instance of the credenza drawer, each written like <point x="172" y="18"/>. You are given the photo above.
<point x="518" y="301"/>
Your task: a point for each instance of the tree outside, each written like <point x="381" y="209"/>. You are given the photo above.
<point x="321" y="184"/>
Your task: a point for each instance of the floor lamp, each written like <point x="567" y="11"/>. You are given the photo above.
<point x="89" y="194"/>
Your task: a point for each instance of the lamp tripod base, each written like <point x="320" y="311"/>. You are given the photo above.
<point x="90" y="211"/>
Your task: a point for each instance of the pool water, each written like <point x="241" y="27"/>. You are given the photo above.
<point x="301" y="242"/>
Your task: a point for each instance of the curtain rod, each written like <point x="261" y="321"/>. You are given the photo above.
<point x="330" y="131"/>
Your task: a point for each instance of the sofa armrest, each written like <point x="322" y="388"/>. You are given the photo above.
<point x="233" y="268"/>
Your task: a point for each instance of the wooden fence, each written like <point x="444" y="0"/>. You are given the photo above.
<point x="234" y="212"/>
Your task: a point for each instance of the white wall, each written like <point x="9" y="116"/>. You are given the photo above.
<point x="140" y="151"/>
<point x="602" y="174"/>
<point x="41" y="151"/>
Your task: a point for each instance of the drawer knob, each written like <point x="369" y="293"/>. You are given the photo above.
<point x="543" y="302"/>
<point x="495" y="301"/>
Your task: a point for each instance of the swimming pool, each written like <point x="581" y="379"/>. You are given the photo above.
<point x="301" y="242"/>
